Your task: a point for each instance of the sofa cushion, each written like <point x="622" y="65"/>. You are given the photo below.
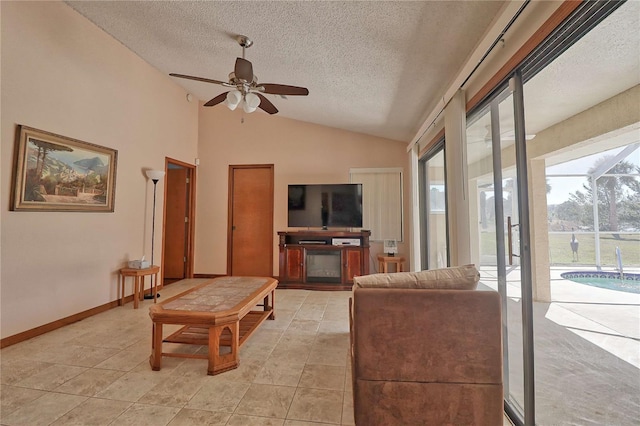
<point x="455" y="278"/>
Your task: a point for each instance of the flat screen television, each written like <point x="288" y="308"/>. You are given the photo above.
<point x="331" y="205"/>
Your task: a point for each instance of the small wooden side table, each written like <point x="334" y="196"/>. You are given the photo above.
<point x="384" y="261"/>
<point x="138" y="283"/>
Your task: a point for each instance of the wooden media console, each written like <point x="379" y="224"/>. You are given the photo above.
<point x="322" y="260"/>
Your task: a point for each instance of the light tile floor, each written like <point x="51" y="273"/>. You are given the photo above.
<point x="293" y="371"/>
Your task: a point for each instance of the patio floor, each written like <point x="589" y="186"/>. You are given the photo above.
<point x="587" y="351"/>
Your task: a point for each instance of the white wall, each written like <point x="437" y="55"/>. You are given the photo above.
<point x="62" y="74"/>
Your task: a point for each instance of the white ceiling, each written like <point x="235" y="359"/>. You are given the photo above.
<point x="371" y="67"/>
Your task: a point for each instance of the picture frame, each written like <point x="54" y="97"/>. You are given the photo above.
<point x="57" y="173"/>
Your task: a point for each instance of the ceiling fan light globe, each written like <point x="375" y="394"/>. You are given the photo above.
<point x="234" y="98"/>
<point x="252" y="100"/>
<point x="248" y="109"/>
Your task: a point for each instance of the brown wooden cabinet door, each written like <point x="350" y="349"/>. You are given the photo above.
<point x="352" y="264"/>
<point x="293" y="264"/>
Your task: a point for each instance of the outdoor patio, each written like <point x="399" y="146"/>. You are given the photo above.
<point x="587" y="351"/>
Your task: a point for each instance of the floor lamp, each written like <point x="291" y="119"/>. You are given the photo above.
<point x="155" y="176"/>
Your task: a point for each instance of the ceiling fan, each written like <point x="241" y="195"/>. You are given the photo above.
<point x="245" y="86"/>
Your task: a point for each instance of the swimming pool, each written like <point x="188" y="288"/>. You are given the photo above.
<point x="608" y="280"/>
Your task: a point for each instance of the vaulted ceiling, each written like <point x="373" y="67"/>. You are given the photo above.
<point x="371" y="67"/>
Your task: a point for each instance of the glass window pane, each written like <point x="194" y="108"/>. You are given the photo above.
<point x="587" y="336"/>
<point x="436" y="223"/>
<point x="495" y="211"/>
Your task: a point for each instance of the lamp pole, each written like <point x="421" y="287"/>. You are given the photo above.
<point x="153" y="238"/>
<point x="155" y="176"/>
<point x="153" y="220"/>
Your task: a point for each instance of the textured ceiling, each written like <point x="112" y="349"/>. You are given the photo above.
<point x="371" y="67"/>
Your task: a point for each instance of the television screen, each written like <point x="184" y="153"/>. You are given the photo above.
<point x="332" y="205"/>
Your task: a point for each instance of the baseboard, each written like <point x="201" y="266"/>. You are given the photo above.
<point x="34" y="332"/>
<point x="26" y="335"/>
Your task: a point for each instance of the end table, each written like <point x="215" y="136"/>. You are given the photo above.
<point x="384" y="261"/>
<point x="138" y="283"/>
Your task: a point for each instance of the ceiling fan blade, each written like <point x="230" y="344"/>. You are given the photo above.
<point x="243" y="70"/>
<point x="282" y="89"/>
<point x="215" y="101"/>
<point x="206" y="80"/>
<point x="266" y="105"/>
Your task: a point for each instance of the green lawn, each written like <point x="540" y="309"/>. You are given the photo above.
<point x="560" y="249"/>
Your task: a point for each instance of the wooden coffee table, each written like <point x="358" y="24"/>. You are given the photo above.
<point x="218" y="314"/>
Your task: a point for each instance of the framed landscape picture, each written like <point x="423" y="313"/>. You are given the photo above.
<point x="57" y="173"/>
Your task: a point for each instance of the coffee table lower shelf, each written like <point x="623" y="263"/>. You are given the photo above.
<point x="199" y="334"/>
<point x="217" y="338"/>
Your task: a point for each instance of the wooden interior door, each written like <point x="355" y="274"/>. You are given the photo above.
<point x="178" y="221"/>
<point x="250" y="228"/>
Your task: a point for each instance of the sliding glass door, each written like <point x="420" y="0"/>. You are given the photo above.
<point x="586" y="338"/>
<point x="579" y="89"/>
<point x="582" y="106"/>
<point x="499" y="240"/>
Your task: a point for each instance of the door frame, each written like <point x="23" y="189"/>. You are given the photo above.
<point x="191" y="214"/>
<point x="232" y="168"/>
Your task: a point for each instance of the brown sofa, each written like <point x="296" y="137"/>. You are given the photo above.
<point x="426" y="349"/>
